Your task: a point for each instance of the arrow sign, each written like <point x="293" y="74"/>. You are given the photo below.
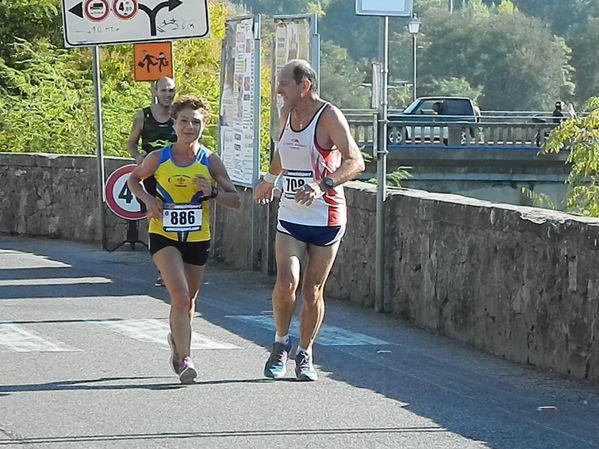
<point x="77" y="9"/>
<point x="89" y="23"/>
<point x="171" y="4"/>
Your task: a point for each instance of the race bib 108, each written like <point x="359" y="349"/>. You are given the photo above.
<point x="182" y="217"/>
<point x="295" y="179"/>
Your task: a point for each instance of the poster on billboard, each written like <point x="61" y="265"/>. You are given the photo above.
<point x="295" y="38"/>
<point x="239" y="114"/>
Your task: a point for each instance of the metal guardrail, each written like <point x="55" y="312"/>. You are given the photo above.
<point x="488" y="132"/>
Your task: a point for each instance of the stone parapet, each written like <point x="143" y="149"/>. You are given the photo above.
<point x="516" y="281"/>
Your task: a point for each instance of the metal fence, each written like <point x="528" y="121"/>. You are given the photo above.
<point x="529" y="131"/>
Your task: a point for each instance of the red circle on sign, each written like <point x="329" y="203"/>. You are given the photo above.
<point x="96" y="10"/>
<point x="121" y="11"/>
<point x="119" y="198"/>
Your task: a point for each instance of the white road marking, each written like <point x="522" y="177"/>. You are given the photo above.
<point x="155" y="331"/>
<point x="10" y="260"/>
<point x="16" y="339"/>
<point x="53" y="281"/>
<point x="327" y="336"/>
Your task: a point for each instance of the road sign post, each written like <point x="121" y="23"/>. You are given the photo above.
<point x="383" y="8"/>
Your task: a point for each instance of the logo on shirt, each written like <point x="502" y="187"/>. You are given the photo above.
<point x="179" y="180"/>
<point x="295" y="144"/>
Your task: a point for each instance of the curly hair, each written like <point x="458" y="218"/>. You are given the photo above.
<point x="192" y="102"/>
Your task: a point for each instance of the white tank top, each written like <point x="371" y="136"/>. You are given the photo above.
<point x="304" y="161"/>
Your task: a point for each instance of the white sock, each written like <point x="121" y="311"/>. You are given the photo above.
<point x="307" y="351"/>
<point x="284" y="339"/>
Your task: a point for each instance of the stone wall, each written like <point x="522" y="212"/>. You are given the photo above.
<point x="56" y="196"/>
<point x="516" y="281"/>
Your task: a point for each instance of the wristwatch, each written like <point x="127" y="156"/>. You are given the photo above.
<point x="327" y="183"/>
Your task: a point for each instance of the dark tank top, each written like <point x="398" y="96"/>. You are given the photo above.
<point x="156" y="135"/>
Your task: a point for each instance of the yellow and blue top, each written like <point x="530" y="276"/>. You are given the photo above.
<point x="174" y="186"/>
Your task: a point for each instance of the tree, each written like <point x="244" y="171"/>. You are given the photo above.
<point x="338" y="72"/>
<point x="581" y="136"/>
<point x="585" y="54"/>
<point x="29" y="20"/>
<point x="47" y="94"/>
<point x="500" y="51"/>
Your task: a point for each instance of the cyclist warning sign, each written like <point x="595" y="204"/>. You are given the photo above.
<point x="119" y="198"/>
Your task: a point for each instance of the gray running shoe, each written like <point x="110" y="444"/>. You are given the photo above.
<point x="304" y="370"/>
<point x="174" y="358"/>
<point x="187" y="371"/>
<point x="275" y="367"/>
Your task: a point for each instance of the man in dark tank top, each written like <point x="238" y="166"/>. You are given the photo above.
<point x="153" y="125"/>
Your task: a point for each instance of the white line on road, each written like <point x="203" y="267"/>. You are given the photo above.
<point x="327" y="336"/>
<point x="155" y="331"/>
<point x="16" y="339"/>
<point x="10" y="259"/>
<point x="53" y="281"/>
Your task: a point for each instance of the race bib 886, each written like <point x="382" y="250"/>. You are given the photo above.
<point x="182" y="217"/>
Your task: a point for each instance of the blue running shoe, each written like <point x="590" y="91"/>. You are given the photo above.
<point x="304" y="370"/>
<point x="187" y="372"/>
<point x="275" y="367"/>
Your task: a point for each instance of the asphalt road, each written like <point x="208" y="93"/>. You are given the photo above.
<point x="84" y="364"/>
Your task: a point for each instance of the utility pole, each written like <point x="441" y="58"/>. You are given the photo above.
<point x="450" y="5"/>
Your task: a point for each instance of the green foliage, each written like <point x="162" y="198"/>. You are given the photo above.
<point x="29" y="20"/>
<point x="537" y="199"/>
<point x="48" y="91"/>
<point x="581" y="136"/>
<point x="337" y="72"/>
<point x="585" y="54"/>
<point x="517" y="61"/>
<point x="458" y="87"/>
<point x="395" y="178"/>
<point x="46" y="107"/>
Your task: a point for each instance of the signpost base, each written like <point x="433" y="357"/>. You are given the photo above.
<point x="132" y="237"/>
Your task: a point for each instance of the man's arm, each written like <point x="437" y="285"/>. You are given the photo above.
<point x="134" y="136"/>
<point x="337" y="128"/>
<point x="264" y="192"/>
<point x="336" y="131"/>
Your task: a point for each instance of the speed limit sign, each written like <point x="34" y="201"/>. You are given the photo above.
<point x="119" y="198"/>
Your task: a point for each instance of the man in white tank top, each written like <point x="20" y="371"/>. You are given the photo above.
<point x="315" y="155"/>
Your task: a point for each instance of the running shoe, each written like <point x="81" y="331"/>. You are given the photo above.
<point x="275" y="367"/>
<point x="187" y="371"/>
<point x="304" y="370"/>
<point x="174" y="358"/>
<point x="159" y="282"/>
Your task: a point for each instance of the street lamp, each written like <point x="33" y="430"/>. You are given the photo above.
<point x="414" y="29"/>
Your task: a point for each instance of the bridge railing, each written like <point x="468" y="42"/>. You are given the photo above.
<point x="489" y="131"/>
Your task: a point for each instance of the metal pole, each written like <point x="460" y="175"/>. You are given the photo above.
<point x="99" y="146"/>
<point x="450" y="5"/>
<point x="381" y="189"/>
<point x="414" y="67"/>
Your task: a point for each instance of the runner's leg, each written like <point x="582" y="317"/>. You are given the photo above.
<point x="316" y="272"/>
<point x="289" y="252"/>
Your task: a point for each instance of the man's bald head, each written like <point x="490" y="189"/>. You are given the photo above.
<point x="300" y="70"/>
<point x="165" y="83"/>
